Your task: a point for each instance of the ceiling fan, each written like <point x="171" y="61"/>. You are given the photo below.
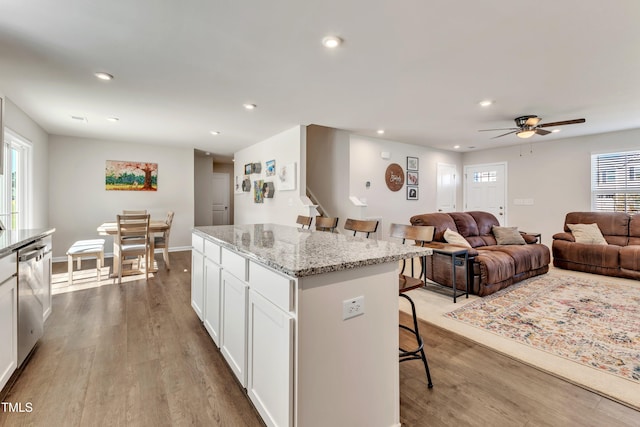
<point x="529" y="126"/>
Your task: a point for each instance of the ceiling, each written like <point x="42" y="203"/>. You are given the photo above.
<point x="416" y="69"/>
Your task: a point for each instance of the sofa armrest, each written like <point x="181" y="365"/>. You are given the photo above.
<point x="530" y="237"/>
<point x="564" y="236"/>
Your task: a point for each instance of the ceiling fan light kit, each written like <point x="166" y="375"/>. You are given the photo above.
<point x="529" y="125"/>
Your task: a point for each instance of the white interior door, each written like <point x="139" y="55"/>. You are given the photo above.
<point x="446" y="188"/>
<point x="220" y="199"/>
<point x="485" y="189"/>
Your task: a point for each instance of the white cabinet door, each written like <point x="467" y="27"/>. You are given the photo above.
<point x="270" y="361"/>
<point x="212" y="293"/>
<point x="8" y="329"/>
<point x="234" y="324"/>
<point x="197" y="282"/>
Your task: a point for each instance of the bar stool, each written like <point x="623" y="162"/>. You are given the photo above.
<point x="420" y="234"/>
<point x="362" y="226"/>
<point x="326" y="224"/>
<point x="82" y="249"/>
<point x="304" y="221"/>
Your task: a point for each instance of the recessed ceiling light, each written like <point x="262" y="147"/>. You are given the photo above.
<point x="556" y="130"/>
<point x="215" y="132"/>
<point x="103" y="76"/>
<point x="380" y="131"/>
<point x="250" y="106"/>
<point x="331" y="42"/>
<point x="207" y="153"/>
<point x="113" y="119"/>
<point x="80" y="119"/>
<point x="485" y="103"/>
<point x="456" y="146"/>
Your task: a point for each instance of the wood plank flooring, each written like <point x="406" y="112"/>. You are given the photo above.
<point x="136" y="355"/>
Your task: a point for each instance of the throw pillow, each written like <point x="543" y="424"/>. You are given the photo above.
<point x="587" y="233"/>
<point x="508" y="235"/>
<point x="455" y="238"/>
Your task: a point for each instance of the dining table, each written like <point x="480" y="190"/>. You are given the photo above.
<point x="111" y="229"/>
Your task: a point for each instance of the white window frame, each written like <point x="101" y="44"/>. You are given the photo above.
<point x="25" y="200"/>
<point x="615" y="181"/>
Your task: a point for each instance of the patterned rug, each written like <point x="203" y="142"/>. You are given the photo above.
<point x="593" y="323"/>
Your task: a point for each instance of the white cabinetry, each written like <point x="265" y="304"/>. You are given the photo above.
<point x="197" y="275"/>
<point x="234" y="324"/>
<point x="270" y="345"/>
<point x="212" y="290"/>
<point x="8" y="318"/>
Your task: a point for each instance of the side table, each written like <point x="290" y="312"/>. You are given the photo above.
<point x="459" y="258"/>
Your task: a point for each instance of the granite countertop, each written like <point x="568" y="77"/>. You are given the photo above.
<point x="300" y="253"/>
<point x="11" y="240"/>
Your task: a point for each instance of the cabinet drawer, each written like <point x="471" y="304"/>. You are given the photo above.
<point x="234" y="264"/>
<point x="273" y="286"/>
<point x="212" y="251"/>
<point x="197" y="242"/>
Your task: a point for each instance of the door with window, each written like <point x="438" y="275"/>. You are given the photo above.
<point x="485" y="189"/>
<point x="14" y="183"/>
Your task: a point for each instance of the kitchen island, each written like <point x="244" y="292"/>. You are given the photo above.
<point x="25" y="295"/>
<point x="307" y="320"/>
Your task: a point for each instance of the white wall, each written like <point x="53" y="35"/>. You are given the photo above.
<point x="286" y="147"/>
<point x="16" y="120"/>
<point x="328" y="169"/>
<point x="555" y="174"/>
<point x="79" y="203"/>
<point x="366" y="164"/>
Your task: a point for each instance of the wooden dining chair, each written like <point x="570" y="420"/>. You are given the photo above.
<point x="163" y="241"/>
<point x="304" y="221"/>
<point x="132" y="239"/>
<point x="361" y="226"/>
<point x="134" y="212"/>
<point x="420" y="235"/>
<point x="326" y="224"/>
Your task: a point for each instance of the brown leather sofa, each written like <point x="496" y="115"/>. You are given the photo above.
<point x="491" y="267"/>
<point x="620" y="257"/>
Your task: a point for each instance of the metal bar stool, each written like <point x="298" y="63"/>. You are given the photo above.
<point x="420" y="234"/>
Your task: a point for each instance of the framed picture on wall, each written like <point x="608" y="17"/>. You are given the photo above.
<point x="412" y="178"/>
<point x="412" y="193"/>
<point x="247" y="169"/>
<point x="412" y="163"/>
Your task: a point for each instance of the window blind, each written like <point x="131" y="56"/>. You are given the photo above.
<point x="615" y="182"/>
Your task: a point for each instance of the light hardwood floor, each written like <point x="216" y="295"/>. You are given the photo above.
<point x="136" y="355"/>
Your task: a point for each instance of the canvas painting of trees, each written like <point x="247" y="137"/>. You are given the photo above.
<point x="132" y="176"/>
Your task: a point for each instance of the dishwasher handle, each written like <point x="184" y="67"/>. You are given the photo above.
<point x="37" y="253"/>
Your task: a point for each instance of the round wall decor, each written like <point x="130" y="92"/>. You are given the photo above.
<point x="394" y="177"/>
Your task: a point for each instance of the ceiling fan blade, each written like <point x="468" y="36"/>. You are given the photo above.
<point x="542" y="132"/>
<point x="566" y="122"/>
<point x="486" y="130"/>
<point x="505" y="134"/>
<point x="532" y="121"/>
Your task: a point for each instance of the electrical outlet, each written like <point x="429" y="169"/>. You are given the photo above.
<point x="352" y="307"/>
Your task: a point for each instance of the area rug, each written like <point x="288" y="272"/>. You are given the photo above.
<point x="584" y="330"/>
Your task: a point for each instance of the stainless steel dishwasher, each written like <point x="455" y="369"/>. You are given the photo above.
<point x="32" y="291"/>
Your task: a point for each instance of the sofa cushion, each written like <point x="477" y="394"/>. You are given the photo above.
<point x="440" y="221"/>
<point x="508" y="236"/>
<point x="524" y="257"/>
<point x="455" y="238"/>
<point x="587" y="233"/>
<point x="630" y="257"/>
<point x="613" y="225"/>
